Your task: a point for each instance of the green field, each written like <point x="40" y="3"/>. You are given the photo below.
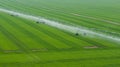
<point x="25" y="43"/>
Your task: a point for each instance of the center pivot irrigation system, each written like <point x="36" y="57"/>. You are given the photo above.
<point x="69" y="28"/>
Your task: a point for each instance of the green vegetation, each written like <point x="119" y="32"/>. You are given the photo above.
<point x="25" y="43"/>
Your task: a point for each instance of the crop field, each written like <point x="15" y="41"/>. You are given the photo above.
<point x="59" y="33"/>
